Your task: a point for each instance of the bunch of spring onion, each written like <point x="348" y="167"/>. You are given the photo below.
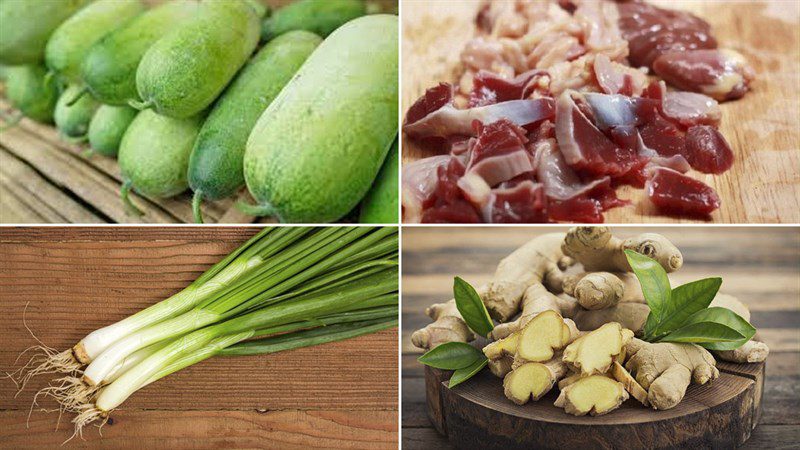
<point x="287" y="287"/>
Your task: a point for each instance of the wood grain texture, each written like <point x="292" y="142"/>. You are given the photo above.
<point x="763" y="128"/>
<point x="721" y="414"/>
<point x="760" y="265"/>
<point x="70" y="281"/>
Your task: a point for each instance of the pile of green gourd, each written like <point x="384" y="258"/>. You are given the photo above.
<point x="183" y="97"/>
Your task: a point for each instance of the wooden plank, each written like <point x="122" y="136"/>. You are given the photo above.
<point x="763" y="128"/>
<point x="71" y="173"/>
<point x="212" y="429"/>
<point x="22" y="182"/>
<point x="68" y="281"/>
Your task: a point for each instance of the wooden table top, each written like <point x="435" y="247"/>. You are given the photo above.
<point x="759" y="265"/>
<point x="75" y="280"/>
<point x="763" y="128"/>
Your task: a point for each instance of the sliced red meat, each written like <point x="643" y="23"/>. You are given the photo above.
<point x="447" y="202"/>
<point x="719" y="73"/>
<point x="569" y="197"/>
<point x="707" y="150"/>
<point x="418" y="185"/>
<point x="434" y="114"/>
<point x="689" y="108"/>
<point x="499" y="153"/>
<point x="489" y="88"/>
<point x="677" y="194"/>
<point x="585" y="148"/>
<point x="652" y="31"/>
<point x="523" y="203"/>
<point x="663" y="136"/>
<point x="434" y="99"/>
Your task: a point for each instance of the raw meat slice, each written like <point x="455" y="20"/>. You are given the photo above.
<point x="434" y="114"/>
<point x="719" y="73"/>
<point x="707" y="150"/>
<point x="418" y="184"/>
<point x="522" y="203"/>
<point x="689" y="108"/>
<point x="674" y="193"/>
<point x="585" y="148"/>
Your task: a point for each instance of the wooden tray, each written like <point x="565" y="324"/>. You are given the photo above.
<point x="763" y="128"/>
<point x="476" y="414"/>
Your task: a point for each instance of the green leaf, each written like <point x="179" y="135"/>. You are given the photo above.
<point x="703" y="333"/>
<point x="686" y="300"/>
<point x="728" y="318"/>
<point x="464" y="374"/>
<point x="471" y="307"/>
<point x="655" y="287"/>
<point x="451" y="356"/>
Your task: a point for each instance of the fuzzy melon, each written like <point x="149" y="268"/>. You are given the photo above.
<point x="109" y="69"/>
<point x="25" y="26"/>
<point x="186" y="70"/>
<point x="316" y="150"/>
<point x="70" y="42"/>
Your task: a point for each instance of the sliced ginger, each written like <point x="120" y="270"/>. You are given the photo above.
<point x="542" y="337"/>
<point x="594" y="352"/>
<point x="634" y="388"/>
<point x="532" y="380"/>
<point x="595" y="395"/>
<point x="501" y="354"/>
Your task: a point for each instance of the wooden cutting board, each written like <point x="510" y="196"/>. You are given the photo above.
<point x="763" y="128"/>
<point x="476" y="414"/>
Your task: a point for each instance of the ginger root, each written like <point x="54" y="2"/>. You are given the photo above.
<point x="536" y="300"/>
<point x="539" y="261"/>
<point x="538" y="264"/>
<point x="595" y="395"/>
<point x="542" y="337"/>
<point x="594" y="352"/>
<point x="598" y="250"/>
<point x="448" y="326"/>
<point x="630" y="315"/>
<point x="634" y="389"/>
<point x="533" y="380"/>
<point x="501" y="354"/>
<point x="665" y="369"/>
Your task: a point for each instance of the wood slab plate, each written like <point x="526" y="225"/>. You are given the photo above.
<point x="476" y="414"/>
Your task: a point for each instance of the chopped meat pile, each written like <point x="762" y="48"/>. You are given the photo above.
<point x="556" y="108"/>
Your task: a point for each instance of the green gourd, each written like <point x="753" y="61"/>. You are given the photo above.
<point x="215" y="167"/>
<point x="318" y="16"/>
<point x="154" y="155"/>
<point x="109" y="69"/>
<point x="186" y="70"/>
<point x="107" y="128"/>
<point x="381" y="203"/>
<point x="317" y="149"/>
<point x="72" y="118"/>
<point x="25" y="26"/>
<point x="70" y="42"/>
<point x="28" y="92"/>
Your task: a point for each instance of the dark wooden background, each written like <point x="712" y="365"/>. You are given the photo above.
<point x="760" y="265"/>
<point x="75" y="280"/>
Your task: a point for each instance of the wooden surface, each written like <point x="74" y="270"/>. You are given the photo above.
<point x="763" y="128"/>
<point x="718" y="415"/>
<point x="759" y="265"/>
<point x="75" y="280"/>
